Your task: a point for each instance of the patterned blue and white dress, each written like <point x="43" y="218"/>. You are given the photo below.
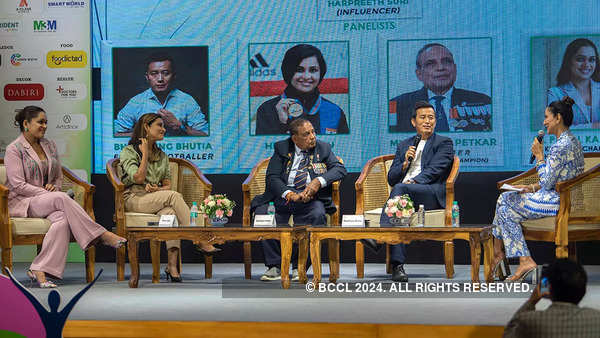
<point x="564" y="161"/>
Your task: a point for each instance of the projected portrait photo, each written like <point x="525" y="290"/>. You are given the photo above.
<point x="298" y="80"/>
<point x="571" y="68"/>
<point x="455" y="76"/>
<point x="169" y="81"/>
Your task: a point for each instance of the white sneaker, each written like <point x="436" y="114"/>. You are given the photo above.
<point x="273" y="273"/>
<point x="295" y="276"/>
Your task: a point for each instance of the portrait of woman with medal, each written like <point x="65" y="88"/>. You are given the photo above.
<point x="303" y="68"/>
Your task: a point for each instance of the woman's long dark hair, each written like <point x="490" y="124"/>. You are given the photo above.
<point x="140" y="132"/>
<point x="564" y="74"/>
<point x="295" y="55"/>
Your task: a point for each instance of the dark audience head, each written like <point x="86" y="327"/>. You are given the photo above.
<point x="295" y="55"/>
<point x="27" y="114"/>
<point x="564" y="107"/>
<point x="296" y="124"/>
<point x="565" y="73"/>
<point x="158" y="57"/>
<point x="567" y="280"/>
<point x="420" y="105"/>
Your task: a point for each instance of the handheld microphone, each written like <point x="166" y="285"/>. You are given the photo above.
<point x="415" y="144"/>
<point x="540" y="138"/>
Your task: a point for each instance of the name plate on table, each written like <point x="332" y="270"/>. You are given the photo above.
<point x="264" y="221"/>
<point x="353" y="221"/>
<point x="168" y="221"/>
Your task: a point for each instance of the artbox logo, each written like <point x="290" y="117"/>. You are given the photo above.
<point x="70" y="121"/>
<point x="18" y="60"/>
<point x="71" y="91"/>
<point x="66" y="59"/>
<point x="50" y="4"/>
<point x="44" y="26"/>
<point x="23" y="92"/>
<point x="23" y="7"/>
<point x="9" y="26"/>
<point x="260" y="67"/>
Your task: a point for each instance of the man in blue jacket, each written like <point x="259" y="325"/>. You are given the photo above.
<point x="422" y="178"/>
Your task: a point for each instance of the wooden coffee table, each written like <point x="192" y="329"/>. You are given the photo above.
<point x="219" y="235"/>
<point x="474" y="234"/>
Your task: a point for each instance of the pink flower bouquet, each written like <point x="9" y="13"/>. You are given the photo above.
<point x="217" y="206"/>
<point x="399" y="207"/>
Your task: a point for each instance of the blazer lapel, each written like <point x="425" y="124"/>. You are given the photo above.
<point x="427" y="153"/>
<point x="30" y="151"/>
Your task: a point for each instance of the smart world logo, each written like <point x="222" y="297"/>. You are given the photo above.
<point x="14" y="59"/>
<point x="44" y="26"/>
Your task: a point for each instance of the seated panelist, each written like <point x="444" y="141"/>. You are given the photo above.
<point x="564" y="161"/>
<point x="144" y="170"/>
<point x="420" y="169"/>
<point x="298" y="181"/>
<point x="34" y="178"/>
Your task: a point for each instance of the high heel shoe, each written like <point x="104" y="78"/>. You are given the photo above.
<point x="43" y="285"/>
<point x="173" y="278"/>
<point x="533" y="272"/>
<point x="501" y="269"/>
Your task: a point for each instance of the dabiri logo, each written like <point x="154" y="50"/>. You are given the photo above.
<point x="66" y="59"/>
<point x="44" y="26"/>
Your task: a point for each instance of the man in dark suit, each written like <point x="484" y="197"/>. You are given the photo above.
<point x="299" y="178"/>
<point x="566" y="281"/>
<point x="419" y="171"/>
<point x="457" y="109"/>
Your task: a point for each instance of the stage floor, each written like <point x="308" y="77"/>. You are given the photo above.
<point x="229" y="297"/>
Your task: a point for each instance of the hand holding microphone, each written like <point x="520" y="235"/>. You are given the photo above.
<point x="411" y="152"/>
<point x="537" y="148"/>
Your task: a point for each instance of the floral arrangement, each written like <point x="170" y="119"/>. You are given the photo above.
<point x="217" y="206"/>
<point x="399" y="206"/>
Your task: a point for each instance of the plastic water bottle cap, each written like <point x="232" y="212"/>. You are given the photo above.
<point x="194" y="203"/>
<point x="270" y="203"/>
<point x="455" y="202"/>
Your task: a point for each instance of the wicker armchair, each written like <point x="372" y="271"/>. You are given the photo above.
<point x="187" y="179"/>
<point x="255" y="185"/>
<point x="578" y="217"/>
<point x="372" y="191"/>
<point x="31" y="231"/>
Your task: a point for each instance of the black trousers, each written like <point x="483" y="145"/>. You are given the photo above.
<point x="311" y="213"/>
<point x="420" y="194"/>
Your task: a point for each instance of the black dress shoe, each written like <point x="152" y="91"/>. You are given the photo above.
<point x="398" y="274"/>
<point x="172" y="278"/>
<point x="371" y="244"/>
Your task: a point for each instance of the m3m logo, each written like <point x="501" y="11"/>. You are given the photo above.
<point x="44" y="25"/>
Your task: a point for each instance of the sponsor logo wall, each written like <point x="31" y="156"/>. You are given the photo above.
<point x="44" y="50"/>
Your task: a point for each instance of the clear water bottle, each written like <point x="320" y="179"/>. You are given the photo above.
<point x="455" y="214"/>
<point x="421" y="216"/>
<point x="271" y="209"/>
<point x="193" y="213"/>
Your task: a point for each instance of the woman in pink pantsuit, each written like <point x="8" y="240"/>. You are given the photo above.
<point x="34" y="178"/>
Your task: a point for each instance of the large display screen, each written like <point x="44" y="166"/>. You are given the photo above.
<point x="227" y="75"/>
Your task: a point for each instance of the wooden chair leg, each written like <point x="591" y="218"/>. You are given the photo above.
<point x="359" y="253"/>
<point x="449" y="258"/>
<point x="90" y="261"/>
<point x="208" y="267"/>
<point x="248" y="260"/>
<point x="562" y="251"/>
<point x="121" y="264"/>
<point x="573" y="251"/>
<point x="333" y="251"/>
<point x="155" y="259"/>
<point x="6" y="259"/>
<point x="388" y="264"/>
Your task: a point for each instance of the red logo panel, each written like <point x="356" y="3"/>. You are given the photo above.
<point x="23" y="92"/>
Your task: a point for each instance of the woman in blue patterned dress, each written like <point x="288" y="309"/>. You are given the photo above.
<point x="564" y="161"/>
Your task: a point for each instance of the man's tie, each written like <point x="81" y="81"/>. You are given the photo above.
<point x="302" y="172"/>
<point x="440" y="115"/>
